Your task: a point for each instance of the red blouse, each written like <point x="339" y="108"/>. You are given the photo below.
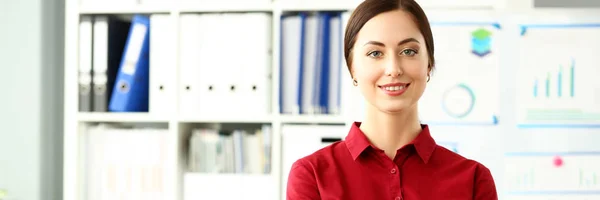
<point x="355" y="169"/>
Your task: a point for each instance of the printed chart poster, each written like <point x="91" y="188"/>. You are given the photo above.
<point x="464" y="84"/>
<point x="553" y="176"/>
<point x="558" y="75"/>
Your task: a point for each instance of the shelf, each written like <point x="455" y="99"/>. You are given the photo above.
<point x="314" y="5"/>
<point x="226" y="119"/>
<point x="121" y="117"/>
<point x="199" y="7"/>
<point x="127" y="9"/>
<point x="145" y="117"/>
<point x="312" y="119"/>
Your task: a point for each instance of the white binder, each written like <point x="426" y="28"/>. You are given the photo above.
<point x="309" y="68"/>
<point x="291" y="31"/>
<point x="191" y="32"/>
<point x="85" y="63"/>
<point x="229" y="45"/>
<point x="162" y="64"/>
<point x="100" y="64"/>
<point x="211" y="74"/>
<point x="255" y="88"/>
<point x="335" y="65"/>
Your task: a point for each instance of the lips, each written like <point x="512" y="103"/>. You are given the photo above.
<point x="394" y="89"/>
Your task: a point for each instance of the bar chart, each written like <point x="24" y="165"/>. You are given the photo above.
<point x="563" y="81"/>
<point x="556" y="81"/>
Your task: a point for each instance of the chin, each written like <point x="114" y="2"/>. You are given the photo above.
<point x="395" y="108"/>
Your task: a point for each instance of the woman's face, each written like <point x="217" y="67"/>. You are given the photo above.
<point x="390" y="62"/>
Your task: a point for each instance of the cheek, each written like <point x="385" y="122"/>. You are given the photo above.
<point x="417" y="70"/>
<point x="366" y="71"/>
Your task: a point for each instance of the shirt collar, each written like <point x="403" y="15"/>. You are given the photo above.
<point x="357" y="142"/>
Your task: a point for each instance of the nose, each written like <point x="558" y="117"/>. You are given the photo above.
<point x="393" y="68"/>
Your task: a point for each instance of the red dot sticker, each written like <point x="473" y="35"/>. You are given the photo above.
<point x="558" y="162"/>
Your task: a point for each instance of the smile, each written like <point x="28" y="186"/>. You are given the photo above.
<point x="395" y="89"/>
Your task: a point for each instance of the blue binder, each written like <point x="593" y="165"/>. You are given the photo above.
<point x="323" y="62"/>
<point x="303" y="17"/>
<point x="130" y="92"/>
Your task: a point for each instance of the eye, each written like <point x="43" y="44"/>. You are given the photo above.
<point x="409" y="52"/>
<point x="375" y="54"/>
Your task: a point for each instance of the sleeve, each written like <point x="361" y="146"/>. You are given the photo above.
<point x="485" y="188"/>
<point x="302" y="184"/>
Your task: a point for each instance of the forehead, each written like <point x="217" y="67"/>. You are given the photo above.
<point x="390" y="27"/>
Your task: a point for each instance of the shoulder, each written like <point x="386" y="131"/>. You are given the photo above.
<point x="323" y="157"/>
<point x="443" y="156"/>
<point x="306" y="173"/>
<point x="475" y="172"/>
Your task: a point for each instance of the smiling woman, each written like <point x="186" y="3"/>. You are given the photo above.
<point x="388" y="47"/>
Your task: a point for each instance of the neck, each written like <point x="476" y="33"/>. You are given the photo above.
<point x="391" y="132"/>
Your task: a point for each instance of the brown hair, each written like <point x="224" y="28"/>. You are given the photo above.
<point x="370" y="8"/>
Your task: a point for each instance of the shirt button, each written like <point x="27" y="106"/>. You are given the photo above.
<point x="393" y="171"/>
<point x="398" y="198"/>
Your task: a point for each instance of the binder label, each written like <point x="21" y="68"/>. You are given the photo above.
<point x="134" y="48"/>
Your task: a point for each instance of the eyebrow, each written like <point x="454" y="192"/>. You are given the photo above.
<point x="407" y="40"/>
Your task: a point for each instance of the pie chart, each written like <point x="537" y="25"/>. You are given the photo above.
<point x="458" y="101"/>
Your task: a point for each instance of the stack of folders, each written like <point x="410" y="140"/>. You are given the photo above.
<point x="115" y="64"/>
<point x="312" y="65"/>
<point x="236" y="151"/>
<point x="115" y="170"/>
<point x="225" y="61"/>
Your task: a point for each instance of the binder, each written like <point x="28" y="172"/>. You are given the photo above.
<point x="130" y="93"/>
<point x="291" y="51"/>
<point x="193" y="34"/>
<point x="223" y="72"/>
<point x="308" y="72"/>
<point x="321" y="95"/>
<point x="85" y="63"/>
<point x="311" y="63"/>
<point x="162" y="64"/>
<point x="110" y="35"/>
<point x="211" y="67"/>
<point x="256" y="80"/>
<point x="335" y="64"/>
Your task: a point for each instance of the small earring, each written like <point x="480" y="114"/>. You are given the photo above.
<point x="354" y="82"/>
<point x="428" y="78"/>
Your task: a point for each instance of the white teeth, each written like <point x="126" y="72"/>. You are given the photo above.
<point x="395" y="88"/>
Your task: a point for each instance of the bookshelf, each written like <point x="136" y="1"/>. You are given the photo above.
<point x="179" y="183"/>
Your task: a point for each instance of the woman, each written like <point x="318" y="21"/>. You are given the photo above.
<point x="388" y="47"/>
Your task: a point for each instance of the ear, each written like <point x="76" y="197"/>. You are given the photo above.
<point x="351" y="72"/>
<point x="429" y="69"/>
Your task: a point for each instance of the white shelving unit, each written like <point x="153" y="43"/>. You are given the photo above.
<point x="178" y="126"/>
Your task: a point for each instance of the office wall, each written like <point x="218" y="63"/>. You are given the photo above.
<point x="31" y="53"/>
